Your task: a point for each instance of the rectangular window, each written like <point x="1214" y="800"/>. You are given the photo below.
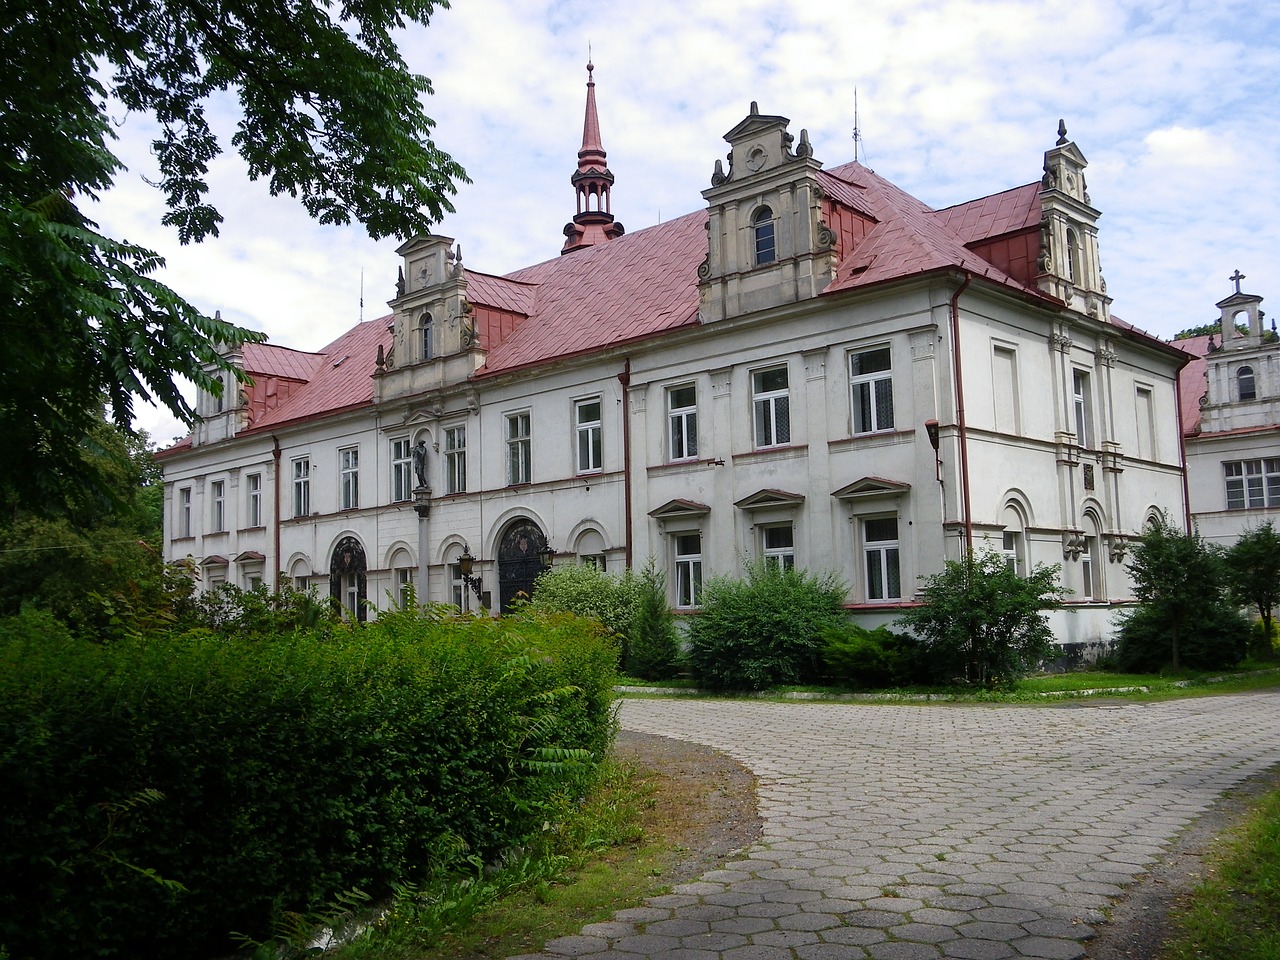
<point x="458" y="588"/>
<point x="301" y="487"/>
<point x="401" y="470"/>
<point x="455" y="459"/>
<point x="184" y="512"/>
<point x="589" y="426"/>
<point x="519" y="449"/>
<point x="1004" y="384"/>
<point x="404" y="586"/>
<point x="426" y="344"/>
<point x="218" y="499"/>
<point x="253" y="483"/>
<point x="688" y="562"/>
<point x="1011" y="548"/>
<point x="1145" y="409"/>
<point x="1088" y="568"/>
<point x="778" y="545"/>
<point x="349" y="477"/>
<point x="871" y="383"/>
<point x="594" y="560"/>
<point x="682" y="419"/>
<point x="1252" y="484"/>
<point x="880" y="545"/>
<point x="1083" y="405"/>
<point x="772" y="407"/>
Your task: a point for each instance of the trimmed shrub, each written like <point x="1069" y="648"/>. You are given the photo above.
<point x="765" y="629"/>
<point x="258" y="777"/>
<point x="983" y="623"/>
<point x="581" y="589"/>
<point x="878" y="658"/>
<point x="653" y="649"/>
<point x="1219" y="640"/>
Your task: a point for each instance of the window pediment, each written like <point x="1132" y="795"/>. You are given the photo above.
<point x="871" y="487"/>
<point x="680" y="508"/>
<point x="769" y="499"/>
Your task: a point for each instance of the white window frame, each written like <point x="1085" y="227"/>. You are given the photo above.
<point x="1011" y="549"/>
<point x="1082" y="405"/>
<point x="682" y="423"/>
<point x="184" y="512"/>
<point x="868" y="410"/>
<point x="349" y="477"/>
<point x="455" y="459"/>
<point x="519" y="448"/>
<point x="686" y="563"/>
<point x="778" y="544"/>
<point x="301" y="474"/>
<point x="1252" y="484"/>
<point x="218" y="506"/>
<point x="1089" y="569"/>
<point x="404" y="581"/>
<point x="764" y="237"/>
<point x="401" y="470"/>
<point x="458" y="588"/>
<point x="770" y="409"/>
<point x="589" y="434"/>
<point x="253" y="499"/>
<point x="886" y="555"/>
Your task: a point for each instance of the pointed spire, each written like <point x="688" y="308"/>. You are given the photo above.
<point x="593" y="223"/>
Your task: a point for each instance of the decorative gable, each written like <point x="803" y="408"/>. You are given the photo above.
<point x="767" y="242"/>
<point x="1070" y="268"/>
<point x="770" y="499"/>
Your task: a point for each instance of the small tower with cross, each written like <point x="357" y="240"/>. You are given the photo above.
<point x="1240" y="310"/>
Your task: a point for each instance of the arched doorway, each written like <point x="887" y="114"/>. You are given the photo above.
<point x="519" y="562"/>
<point x="348" y="584"/>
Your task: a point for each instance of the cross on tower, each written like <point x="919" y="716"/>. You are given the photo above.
<point x="1237" y="277"/>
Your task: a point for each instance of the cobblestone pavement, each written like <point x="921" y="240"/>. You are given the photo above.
<point x="927" y="832"/>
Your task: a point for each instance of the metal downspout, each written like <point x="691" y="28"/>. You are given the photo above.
<point x="960" y="420"/>
<point x="624" y="378"/>
<point x="275" y="514"/>
<point x="1182" y="453"/>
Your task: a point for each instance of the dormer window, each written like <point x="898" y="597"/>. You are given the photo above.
<point x="425" y="333"/>
<point x="762" y="227"/>
<point x="1245" y="385"/>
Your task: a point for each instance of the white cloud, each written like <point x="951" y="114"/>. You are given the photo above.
<point x="1172" y="101"/>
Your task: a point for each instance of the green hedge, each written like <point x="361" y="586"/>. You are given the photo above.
<point x="272" y="775"/>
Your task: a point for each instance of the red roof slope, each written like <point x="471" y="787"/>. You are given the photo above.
<point x="1191" y="381"/>
<point x="640" y="284"/>
<point x="342" y="378"/>
<point x="269" y="360"/>
<point x="993" y="216"/>
<point x="911" y="237"/>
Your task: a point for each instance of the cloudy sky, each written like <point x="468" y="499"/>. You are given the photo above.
<point x="1175" y="103"/>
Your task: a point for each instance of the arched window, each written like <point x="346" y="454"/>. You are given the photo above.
<point x="762" y="227"/>
<point x="1073" y="257"/>
<point x="1245" y="384"/>
<point x="426" y="331"/>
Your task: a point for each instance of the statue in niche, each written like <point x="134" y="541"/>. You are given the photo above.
<point x="420" y="462"/>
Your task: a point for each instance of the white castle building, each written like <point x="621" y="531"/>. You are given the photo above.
<point x="812" y="366"/>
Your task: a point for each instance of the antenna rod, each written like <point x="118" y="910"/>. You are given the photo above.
<point x="857" y="137"/>
<point x="362" y="294"/>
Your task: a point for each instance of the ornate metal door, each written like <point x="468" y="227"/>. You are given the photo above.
<point x="348" y="581"/>
<point x="518" y="561"/>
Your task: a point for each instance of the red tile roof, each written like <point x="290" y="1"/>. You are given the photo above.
<point x="640" y="284"/>
<point x="645" y="283"/>
<point x="1192" y="384"/>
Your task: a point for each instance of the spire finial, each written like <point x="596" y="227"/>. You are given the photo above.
<point x="1237" y="277"/>
<point x="1062" y="132"/>
<point x="592" y="181"/>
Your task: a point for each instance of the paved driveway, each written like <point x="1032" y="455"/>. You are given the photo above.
<point x="925" y="832"/>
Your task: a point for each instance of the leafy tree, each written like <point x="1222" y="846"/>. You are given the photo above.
<point x="1179" y="582"/>
<point x="329" y="113"/>
<point x="94" y="553"/>
<point x="764" y="629"/>
<point x="582" y="589"/>
<point x="1253" y="571"/>
<point x="982" y="622"/>
<point x="653" y="647"/>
